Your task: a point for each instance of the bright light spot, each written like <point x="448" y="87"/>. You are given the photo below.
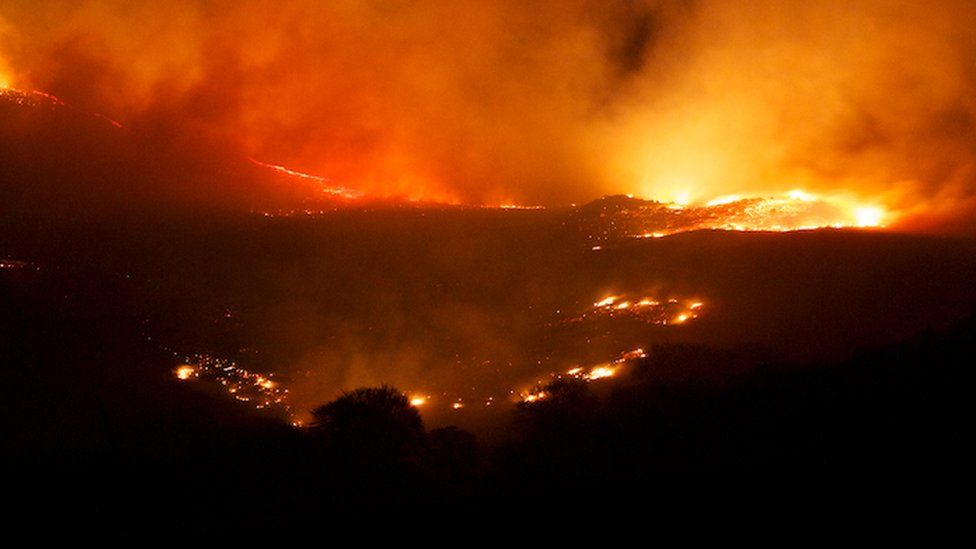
<point x="185" y="372"/>
<point x="804" y="196"/>
<point x="607" y="301"/>
<point x="457" y="405"/>
<point x="601" y="372"/>
<point x="681" y="318"/>
<point x="630" y="355"/>
<point x="868" y="216"/>
<point x="418" y="401"/>
<point x="724" y="200"/>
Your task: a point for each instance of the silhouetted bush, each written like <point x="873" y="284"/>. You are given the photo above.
<point x="371" y="424"/>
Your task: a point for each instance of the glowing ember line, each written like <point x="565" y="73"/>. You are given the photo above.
<point x="343" y="192"/>
<point x="519" y="207"/>
<point x="287" y="171"/>
<point x="37" y="98"/>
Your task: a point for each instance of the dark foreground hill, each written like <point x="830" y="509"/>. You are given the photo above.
<point x="87" y="436"/>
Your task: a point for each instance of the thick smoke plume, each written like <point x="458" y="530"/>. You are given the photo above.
<point x="545" y="102"/>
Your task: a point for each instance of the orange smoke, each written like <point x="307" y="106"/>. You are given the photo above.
<point x="552" y="102"/>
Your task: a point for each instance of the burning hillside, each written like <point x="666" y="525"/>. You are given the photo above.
<point x="624" y="217"/>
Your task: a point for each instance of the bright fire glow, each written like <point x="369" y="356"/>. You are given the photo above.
<point x="868" y="216"/>
<point x="254" y="388"/>
<point x="323" y="182"/>
<point x="619" y="218"/>
<point x="601" y="372"/>
<point x="645" y="309"/>
<point x="595" y="373"/>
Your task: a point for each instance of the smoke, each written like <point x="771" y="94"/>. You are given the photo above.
<point x="550" y="102"/>
<point x="873" y="100"/>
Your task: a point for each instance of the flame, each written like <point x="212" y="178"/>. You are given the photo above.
<point x="724" y="200"/>
<point x="869" y="216"/>
<point x="791" y="211"/>
<point x="601" y="372"/>
<point x="645" y="309"/>
<point x="6" y="79"/>
<point x="243" y="385"/>
<point x="322" y="181"/>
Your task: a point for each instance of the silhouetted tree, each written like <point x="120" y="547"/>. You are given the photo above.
<point x="371" y="423"/>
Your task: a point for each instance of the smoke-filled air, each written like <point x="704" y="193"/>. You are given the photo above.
<point x="263" y="261"/>
<point x="870" y="104"/>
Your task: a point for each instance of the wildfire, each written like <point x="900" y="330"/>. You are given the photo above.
<point x="586" y="375"/>
<point x="627" y="217"/>
<point x="645" y="309"/>
<point x="534" y="396"/>
<point x="601" y="372"/>
<point x="238" y="382"/>
<point x="14" y="264"/>
<point x="323" y="182"/>
<point x="37" y="98"/>
<point x="518" y="207"/>
<point x="869" y="216"/>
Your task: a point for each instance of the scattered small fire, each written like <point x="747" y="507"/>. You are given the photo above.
<point x="251" y="387"/>
<point x="645" y="309"/>
<point x="593" y="373"/>
<point x="534" y="396"/>
<point x="263" y="392"/>
<point x="14" y="264"/>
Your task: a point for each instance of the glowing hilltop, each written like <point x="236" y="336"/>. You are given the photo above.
<point x="624" y="217"/>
